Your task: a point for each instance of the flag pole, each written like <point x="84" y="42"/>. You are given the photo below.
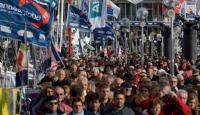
<point x="61" y="23"/>
<point x="70" y="48"/>
<point x="58" y="23"/>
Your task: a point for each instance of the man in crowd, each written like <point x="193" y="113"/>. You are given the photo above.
<point x="118" y="107"/>
<point x="62" y="105"/>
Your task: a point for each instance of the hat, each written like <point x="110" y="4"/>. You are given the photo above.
<point x="45" y="79"/>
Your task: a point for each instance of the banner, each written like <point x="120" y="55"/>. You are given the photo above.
<point x="106" y="32"/>
<point x="77" y="19"/>
<point x="112" y="9"/>
<point x="8" y="101"/>
<point x="98" y="13"/>
<point x="19" y="18"/>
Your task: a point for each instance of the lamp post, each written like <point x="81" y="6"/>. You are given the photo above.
<point x="142" y="14"/>
<point x="125" y="23"/>
<point x="171" y="14"/>
<point x="116" y="28"/>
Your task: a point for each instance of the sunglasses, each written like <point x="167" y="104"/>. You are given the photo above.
<point x="53" y="103"/>
<point x="59" y="94"/>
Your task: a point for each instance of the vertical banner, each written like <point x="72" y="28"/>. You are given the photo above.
<point x="98" y="13"/>
<point x="8" y="101"/>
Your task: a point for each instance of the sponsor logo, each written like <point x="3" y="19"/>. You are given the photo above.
<point x="42" y="37"/>
<point x="28" y="33"/>
<point x="5" y="29"/>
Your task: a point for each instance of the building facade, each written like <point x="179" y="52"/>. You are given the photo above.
<point x="129" y="10"/>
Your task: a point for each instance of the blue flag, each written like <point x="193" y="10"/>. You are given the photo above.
<point x="56" y="56"/>
<point x="19" y="18"/>
<point x="105" y="32"/>
<point x="77" y="19"/>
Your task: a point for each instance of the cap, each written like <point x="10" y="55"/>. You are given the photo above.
<point x="45" y="79"/>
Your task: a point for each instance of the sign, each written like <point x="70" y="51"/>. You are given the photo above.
<point x="190" y="10"/>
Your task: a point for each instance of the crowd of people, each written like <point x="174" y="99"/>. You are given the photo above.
<point x="108" y="86"/>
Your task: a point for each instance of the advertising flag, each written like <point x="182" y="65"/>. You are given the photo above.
<point x="77" y="19"/>
<point x="104" y="32"/>
<point x="112" y="9"/>
<point x="16" y="15"/>
<point x="98" y="13"/>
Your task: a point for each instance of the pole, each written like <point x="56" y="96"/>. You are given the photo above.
<point x="136" y="46"/>
<point x="172" y="47"/>
<point x="58" y="23"/>
<point x="142" y="45"/>
<point x="162" y="46"/>
<point x="116" y="47"/>
<point x="70" y="48"/>
<point x="61" y="23"/>
<point x="80" y="46"/>
<point x="190" y="41"/>
<point x="125" y="47"/>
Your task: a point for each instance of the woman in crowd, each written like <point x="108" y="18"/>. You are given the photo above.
<point x="193" y="102"/>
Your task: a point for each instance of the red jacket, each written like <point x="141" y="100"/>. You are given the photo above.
<point x="171" y="106"/>
<point x="176" y="107"/>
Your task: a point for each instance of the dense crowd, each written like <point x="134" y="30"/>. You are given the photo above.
<point x="107" y="86"/>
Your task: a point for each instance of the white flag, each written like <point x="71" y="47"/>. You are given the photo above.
<point x="98" y="13"/>
<point x="112" y="9"/>
<point x="135" y="1"/>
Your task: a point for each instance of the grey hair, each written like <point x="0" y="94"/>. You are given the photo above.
<point x="82" y="79"/>
<point x="182" y="91"/>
